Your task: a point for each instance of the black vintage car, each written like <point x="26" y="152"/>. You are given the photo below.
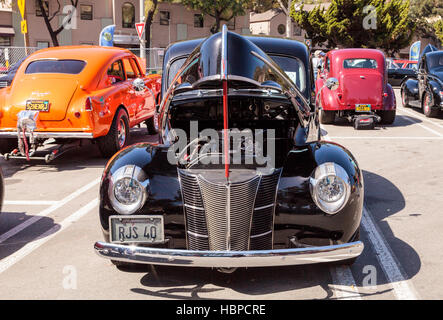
<point x="398" y="75"/>
<point x="253" y="185"/>
<point x="426" y="92"/>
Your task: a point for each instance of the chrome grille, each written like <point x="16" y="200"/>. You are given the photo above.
<point x="249" y="224"/>
<point x="196" y="230"/>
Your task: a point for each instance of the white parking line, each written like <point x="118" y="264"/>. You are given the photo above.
<point x="30" y="202"/>
<point x="415" y="121"/>
<point x="5" y="236"/>
<point x="417" y="115"/>
<point x="344" y="283"/>
<point x="403" y="289"/>
<point x="6" y="263"/>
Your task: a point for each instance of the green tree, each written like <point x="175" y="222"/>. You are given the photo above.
<point x="218" y="9"/>
<point x="438" y="26"/>
<point x="426" y="15"/>
<point x="358" y="23"/>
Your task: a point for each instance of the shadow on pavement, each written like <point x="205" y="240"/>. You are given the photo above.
<point x="44" y="227"/>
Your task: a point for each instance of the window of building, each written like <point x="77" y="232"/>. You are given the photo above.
<point x="38" y="12"/>
<point x="231" y="24"/>
<point x="128" y="15"/>
<point x="281" y="29"/>
<point x="198" y="21"/>
<point x="42" y="44"/>
<point x="164" y="18"/>
<point x="85" y="12"/>
<point x="5" y="41"/>
<point x="296" y="30"/>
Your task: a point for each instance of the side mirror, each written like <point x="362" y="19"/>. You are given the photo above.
<point x="185" y="86"/>
<point x="138" y="84"/>
<point x="332" y="83"/>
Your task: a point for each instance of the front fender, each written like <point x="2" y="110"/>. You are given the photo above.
<point x="435" y="88"/>
<point x="410" y="87"/>
<point x="329" y="100"/>
<point x="297" y="213"/>
<point x="164" y="197"/>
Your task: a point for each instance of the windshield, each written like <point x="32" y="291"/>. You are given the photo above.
<point x="360" y="63"/>
<point x="294" y="68"/>
<point x="435" y="61"/>
<point x="56" y="66"/>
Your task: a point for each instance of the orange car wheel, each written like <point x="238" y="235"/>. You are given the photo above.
<point x="117" y="137"/>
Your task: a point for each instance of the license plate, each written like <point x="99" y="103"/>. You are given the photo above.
<point x="362" y="107"/>
<point x="147" y="229"/>
<point x="37" y="105"/>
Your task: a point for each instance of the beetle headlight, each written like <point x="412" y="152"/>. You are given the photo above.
<point x="330" y="187"/>
<point x="127" y="189"/>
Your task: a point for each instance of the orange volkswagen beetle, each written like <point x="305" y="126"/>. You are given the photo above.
<point x="76" y="92"/>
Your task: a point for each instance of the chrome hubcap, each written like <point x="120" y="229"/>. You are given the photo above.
<point x="121" y="133"/>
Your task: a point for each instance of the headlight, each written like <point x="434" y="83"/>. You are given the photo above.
<point x="330" y="187"/>
<point x="127" y="189"/>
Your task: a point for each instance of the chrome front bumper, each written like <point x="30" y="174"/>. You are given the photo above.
<point x="228" y="259"/>
<point x="47" y="135"/>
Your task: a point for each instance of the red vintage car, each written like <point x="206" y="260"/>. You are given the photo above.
<point x="73" y="93"/>
<point x="364" y="96"/>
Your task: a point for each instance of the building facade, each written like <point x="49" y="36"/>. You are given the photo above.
<point x="173" y="22"/>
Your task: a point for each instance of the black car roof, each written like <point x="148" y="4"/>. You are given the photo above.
<point x="270" y="45"/>
<point x="267" y="44"/>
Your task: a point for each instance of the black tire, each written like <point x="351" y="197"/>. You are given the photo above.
<point x="404" y="99"/>
<point x="387" y="116"/>
<point x="428" y="111"/>
<point x="349" y="262"/>
<point x="7" y="145"/>
<point x="114" y="141"/>
<point x="152" y="125"/>
<point x="327" y="117"/>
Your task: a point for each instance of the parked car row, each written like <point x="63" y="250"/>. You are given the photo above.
<point x="426" y="92"/>
<point x="240" y="176"/>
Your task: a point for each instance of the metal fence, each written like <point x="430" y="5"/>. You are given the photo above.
<point x="153" y="60"/>
<point x="11" y="55"/>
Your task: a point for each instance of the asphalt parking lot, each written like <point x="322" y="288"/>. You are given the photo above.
<point x="50" y="222"/>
